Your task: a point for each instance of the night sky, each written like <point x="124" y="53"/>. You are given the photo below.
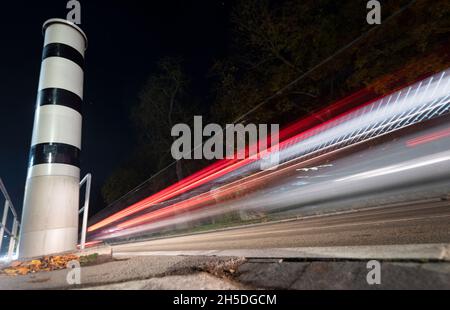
<point x="126" y="38"/>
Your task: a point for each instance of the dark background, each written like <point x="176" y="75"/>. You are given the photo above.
<point x="236" y="54"/>
<point x="126" y="38"/>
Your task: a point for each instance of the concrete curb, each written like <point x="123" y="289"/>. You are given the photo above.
<point x="100" y="250"/>
<point x="439" y="252"/>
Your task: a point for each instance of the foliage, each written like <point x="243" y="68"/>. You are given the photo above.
<point x="47" y="263"/>
<point x="277" y="42"/>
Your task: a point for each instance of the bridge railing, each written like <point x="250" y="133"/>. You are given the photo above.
<point x="14" y="232"/>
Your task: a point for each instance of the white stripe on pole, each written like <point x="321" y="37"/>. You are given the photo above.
<point x="66" y="35"/>
<point x="57" y="72"/>
<point x="53" y="169"/>
<point x="58" y="124"/>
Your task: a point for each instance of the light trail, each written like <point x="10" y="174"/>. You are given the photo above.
<point x="225" y="166"/>
<point x="434" y="166"/>
<point x="429" y="138"/>
<point x="404" y="108"/>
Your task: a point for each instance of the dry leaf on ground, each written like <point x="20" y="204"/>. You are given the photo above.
<point x="48" y="263"/>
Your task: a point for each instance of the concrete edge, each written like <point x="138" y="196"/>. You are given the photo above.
<point x="100" y="250"/>
<point x="440" y="252"/>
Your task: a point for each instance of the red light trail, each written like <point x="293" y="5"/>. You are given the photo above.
<point x="223" y="167"/>
<point x="341" y="114"/>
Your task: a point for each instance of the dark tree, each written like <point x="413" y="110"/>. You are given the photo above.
<point x="163" y="102"/>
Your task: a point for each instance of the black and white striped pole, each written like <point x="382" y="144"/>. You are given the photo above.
<point x="51" y="201"/>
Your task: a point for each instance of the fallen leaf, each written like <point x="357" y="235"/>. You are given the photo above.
<point x="45" y="264"/>
<point x="16" y="264"/>
<point x="23" y="270"/>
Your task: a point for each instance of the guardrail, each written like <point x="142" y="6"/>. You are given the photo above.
<point x="13" y="233"/>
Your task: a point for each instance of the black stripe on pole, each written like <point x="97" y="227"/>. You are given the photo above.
<point x="59" y="96"/>
<point x="54" y="153"/>
<point x="64" y="51"/>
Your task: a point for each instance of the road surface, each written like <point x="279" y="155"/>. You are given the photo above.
<point x="417" y="223"/>
<point x="407" y="224"/>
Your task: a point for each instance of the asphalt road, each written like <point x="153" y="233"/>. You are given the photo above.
<point x="402" y="224"/>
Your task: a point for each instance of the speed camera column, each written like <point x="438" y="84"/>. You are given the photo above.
<point x="51" y="201"/>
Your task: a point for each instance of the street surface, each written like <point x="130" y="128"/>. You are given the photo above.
<point x="403" y="224"/>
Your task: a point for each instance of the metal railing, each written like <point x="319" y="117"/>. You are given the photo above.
<point x="85" y="209"/>
<point x="13" y="233"/>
